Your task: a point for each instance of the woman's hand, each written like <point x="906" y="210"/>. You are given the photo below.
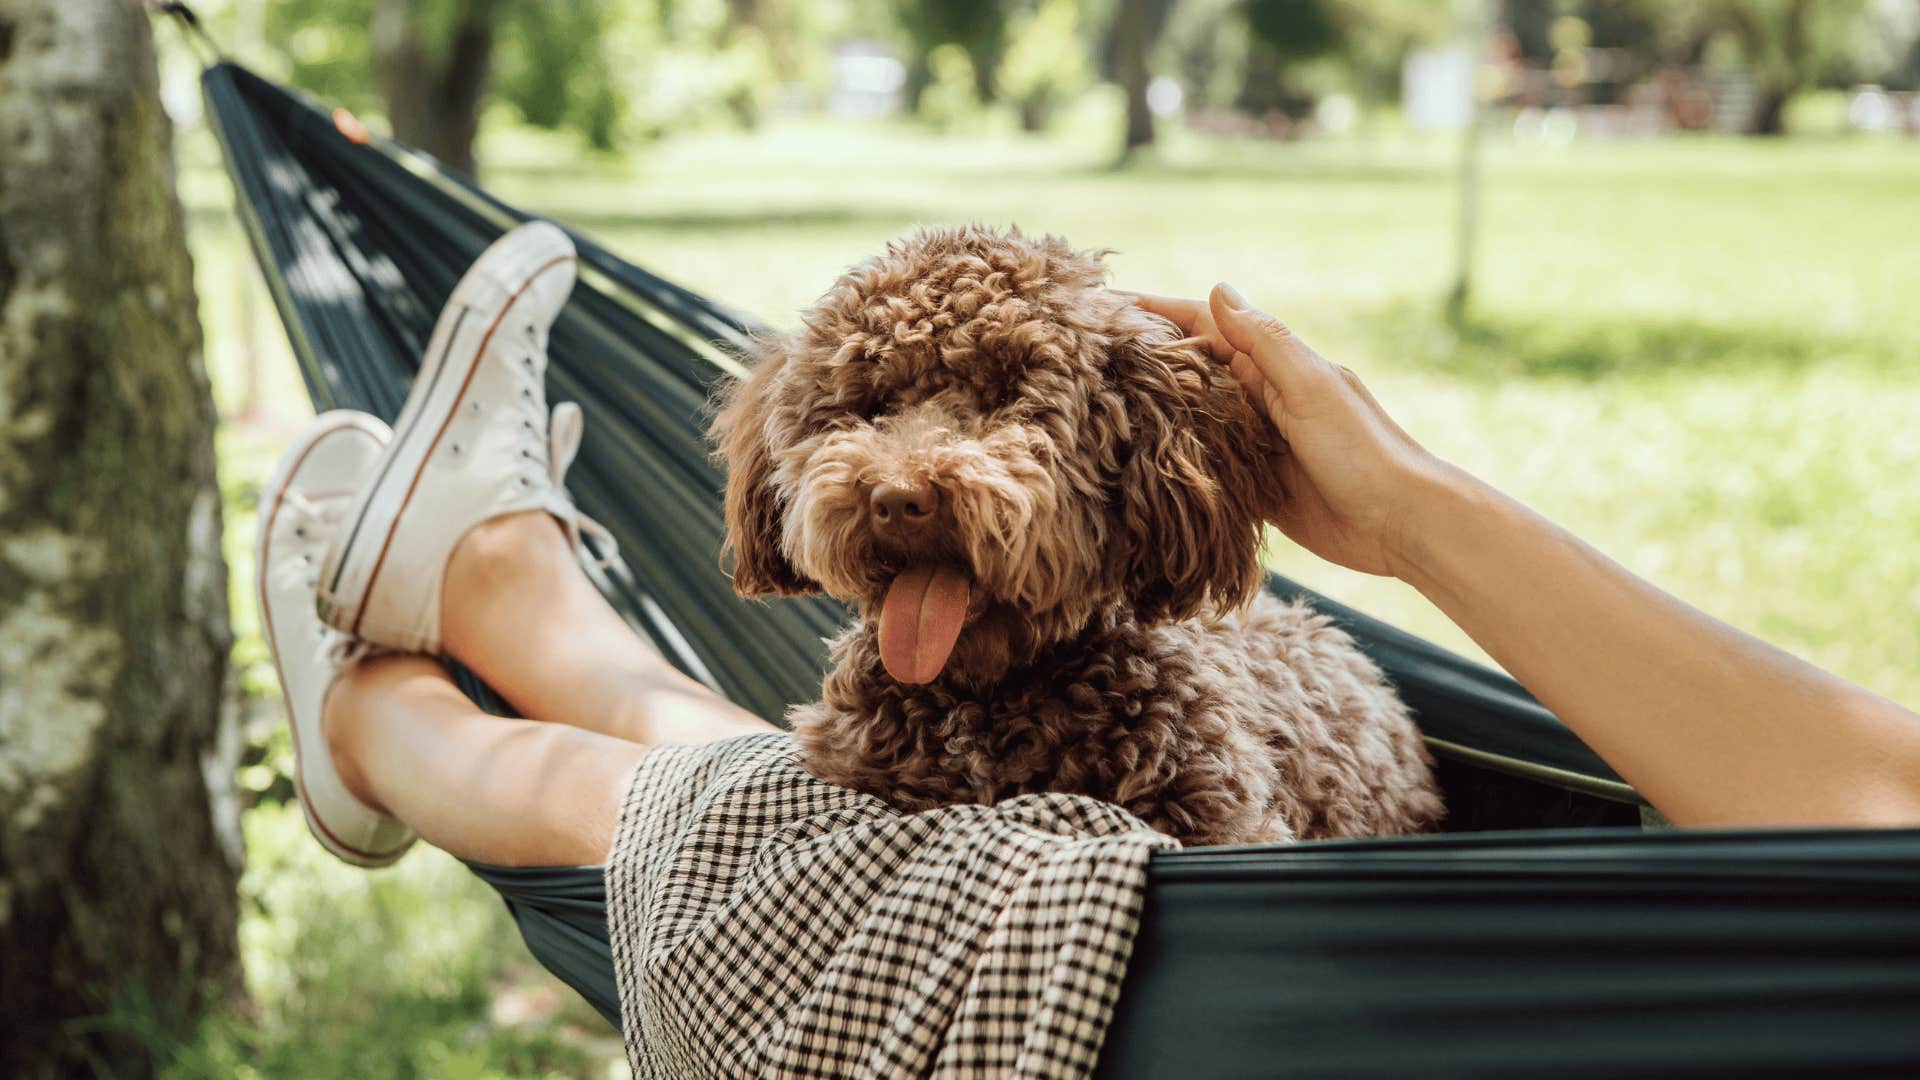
<point x="1714" y="727"/>
<point x="1357" y="485"/>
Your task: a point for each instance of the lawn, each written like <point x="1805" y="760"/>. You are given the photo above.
<point x="1696" y="353"/>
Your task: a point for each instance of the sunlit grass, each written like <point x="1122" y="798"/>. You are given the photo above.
<point x="360" y="975"/>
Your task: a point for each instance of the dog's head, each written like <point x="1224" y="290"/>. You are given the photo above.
<point x="976" y="443"/>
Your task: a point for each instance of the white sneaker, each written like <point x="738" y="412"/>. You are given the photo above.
<point x="300" y="510"/>
<point x="473" y="442"/>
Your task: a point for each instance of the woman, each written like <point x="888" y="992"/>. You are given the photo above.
<point x="455" y="538"/>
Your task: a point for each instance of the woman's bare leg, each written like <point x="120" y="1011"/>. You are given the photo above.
<point x="519" y="612"/>
<point x="544" y="791"/>
<point x="512" y="792"/>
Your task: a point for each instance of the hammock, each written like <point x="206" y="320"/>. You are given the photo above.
<point x="1583" y="943"/>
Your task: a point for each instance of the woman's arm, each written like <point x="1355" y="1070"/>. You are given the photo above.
<point x="1713" y="726"/>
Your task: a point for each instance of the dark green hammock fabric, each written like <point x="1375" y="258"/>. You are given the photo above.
<point x="1533" y="954"/>
<point x="1581" y="945"/>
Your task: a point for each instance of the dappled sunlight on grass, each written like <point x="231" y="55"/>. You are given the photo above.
<point x="1501" y="346"/>
<point x="386" y="973"/>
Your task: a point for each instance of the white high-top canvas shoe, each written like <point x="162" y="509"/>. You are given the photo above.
<point x="473" y="442"/>
<point x="300" y="509"/>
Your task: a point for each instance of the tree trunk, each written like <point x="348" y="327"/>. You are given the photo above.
<point x="986" y="65"/>
<point x="1770" y="112"/>
<point x="1033" y="114"/>
<point x="1778" y="79"/>
<point x="119" y="844"/>
<point x="1133" y="33"/>
<point x="434" y="93"/>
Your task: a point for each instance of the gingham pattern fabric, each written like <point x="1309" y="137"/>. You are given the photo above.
<point x="766" y="923"/>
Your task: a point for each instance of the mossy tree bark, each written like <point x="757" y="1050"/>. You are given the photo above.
<point x="119" y="847"/>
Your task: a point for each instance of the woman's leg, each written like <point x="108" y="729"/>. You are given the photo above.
<point x="543" y="791"/>
<point x="519" y="612"/>
<point x="407" y="742"/>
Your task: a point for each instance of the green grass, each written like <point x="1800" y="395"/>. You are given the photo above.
<point x="1696" y="353"/>
<point x="412" y="971"/>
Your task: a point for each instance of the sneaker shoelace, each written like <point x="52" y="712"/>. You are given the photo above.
<point x="312" y="519"/>
<point x="548" y="461"/>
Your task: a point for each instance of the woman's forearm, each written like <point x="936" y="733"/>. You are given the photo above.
<point x="1710" y="724"/>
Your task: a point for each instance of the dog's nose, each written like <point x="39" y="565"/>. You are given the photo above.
<point x="904" y="504"/>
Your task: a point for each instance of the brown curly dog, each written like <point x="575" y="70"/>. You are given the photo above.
<point x="1046" y="508"/>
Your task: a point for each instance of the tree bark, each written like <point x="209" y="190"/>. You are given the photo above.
<point x="1135" y="26"/>
<point x="1033" y="115"/>
<point x="434" y="92"/>
<point x="119" y="844"/>
<point x="1779" y="78"/>
<point x="1770" y="114"/>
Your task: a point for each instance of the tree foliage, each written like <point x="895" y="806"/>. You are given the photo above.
<point x="1786" y="46"/>
<point x="434" y="59"/>
<point x="622" y="71"/>
<point x="1783" y="47"/>
<point x="1263" y="56"/>
<point x="1046" y="60"/>
<point x="978" y="27"/>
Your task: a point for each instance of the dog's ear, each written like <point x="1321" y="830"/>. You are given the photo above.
<point x="1197" y="479"/>
<point x="742" y="430"/>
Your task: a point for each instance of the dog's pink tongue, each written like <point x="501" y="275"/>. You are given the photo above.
<point x="920" y="620"/>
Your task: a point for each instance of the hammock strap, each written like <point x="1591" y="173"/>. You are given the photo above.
<point x="205" y="49"/>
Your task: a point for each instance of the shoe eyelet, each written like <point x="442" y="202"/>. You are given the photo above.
<point x="455" y="448"/>
<point x="475" y="407"/>
<point x="300" y="532"/>
<point x="525" y="482"/>
<point x="527" y="394"/>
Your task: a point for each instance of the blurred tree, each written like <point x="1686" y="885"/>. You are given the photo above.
<point x="977" y="26"/>
<point x="321" y="46"/>
<point x="1377" y="35"/>
<point x="1283" y="33"/>
<point x="951" y="98"/>
<point x="119" y="844"/>
<point x="1784" y="46"/>
<point x="432" y="58"/>
<point x="1206" y="43"/>
<point x="1365" y="39"/>
<point x="778" y="26"/>
<point x="1788" y="45"/>
<point x="551" y="67"/>
<point x="1045" y="62"/>
<point x="1890" y="45"/>
<point x="1136" y="26"/>
<point x="684" y="63"/>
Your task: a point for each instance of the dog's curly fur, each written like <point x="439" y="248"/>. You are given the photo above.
<point x="1104" y="486"/>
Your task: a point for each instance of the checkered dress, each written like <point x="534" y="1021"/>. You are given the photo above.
<point x="766" y="923"/>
